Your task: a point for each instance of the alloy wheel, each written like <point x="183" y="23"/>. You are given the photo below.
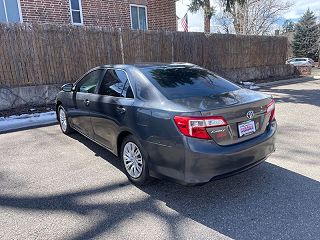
<point x="132" y="158"/>
<point x="63" y="119"/>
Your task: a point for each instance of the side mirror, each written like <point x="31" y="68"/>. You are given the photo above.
<point x="67" y="87"/>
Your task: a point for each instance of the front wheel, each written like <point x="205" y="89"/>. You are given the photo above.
<point x="63" y="121"/>
<point x="134" y="160"/>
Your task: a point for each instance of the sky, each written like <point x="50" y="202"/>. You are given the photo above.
<point x="196" y="20"/>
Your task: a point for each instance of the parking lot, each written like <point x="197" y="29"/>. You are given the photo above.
<point x="57" y="187"/>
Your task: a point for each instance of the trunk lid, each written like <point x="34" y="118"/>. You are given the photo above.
<point x="244" y="110"/>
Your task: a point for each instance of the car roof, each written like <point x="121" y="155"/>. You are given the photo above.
<point x="174" y="64"/>
<point x="147" y="65"/>
<point x="300" y="59"/>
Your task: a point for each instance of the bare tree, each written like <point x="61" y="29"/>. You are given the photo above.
<point x="254" y="17"/>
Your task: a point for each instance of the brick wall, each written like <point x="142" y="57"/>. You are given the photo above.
<point x="160" y="13"/>
<point x="106" y="13"/>
<point x="43" y="11"/>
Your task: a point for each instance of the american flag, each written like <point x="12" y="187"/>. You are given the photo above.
<point x="184" y="22"/>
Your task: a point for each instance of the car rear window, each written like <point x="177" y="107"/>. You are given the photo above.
<point x="184" y="82"/>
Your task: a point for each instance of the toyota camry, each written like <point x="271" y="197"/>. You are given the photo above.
<point x="176" y="121"/>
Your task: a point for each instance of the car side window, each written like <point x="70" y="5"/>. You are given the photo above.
<point x="89" y="82"/>
<point x="115" y="83"/>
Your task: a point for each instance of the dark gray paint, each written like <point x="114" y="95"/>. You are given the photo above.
<point x="149" y="116"/>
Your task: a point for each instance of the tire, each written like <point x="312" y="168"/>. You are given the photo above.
<point x="63" y="121"/>
<point x="134" y="157"/>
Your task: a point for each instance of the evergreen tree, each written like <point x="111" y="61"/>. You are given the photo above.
<point x="288" y="26"/>
<point x="306" y="37"/>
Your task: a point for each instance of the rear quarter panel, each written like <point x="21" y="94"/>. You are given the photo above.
<point x="164" y="144"/>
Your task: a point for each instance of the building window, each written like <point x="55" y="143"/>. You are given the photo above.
<point x="138" y="17"/>
<point x="76" y="12"/>
<point x="10" y="11"/>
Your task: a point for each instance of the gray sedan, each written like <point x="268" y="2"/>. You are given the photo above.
<point x="176" y="121"/>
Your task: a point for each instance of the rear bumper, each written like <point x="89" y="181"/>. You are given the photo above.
<point x="206" y="160"/>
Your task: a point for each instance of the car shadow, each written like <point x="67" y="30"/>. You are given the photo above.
<point x="267" y="202"/>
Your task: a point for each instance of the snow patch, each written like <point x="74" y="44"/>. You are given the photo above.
<point x="27" y="120"/>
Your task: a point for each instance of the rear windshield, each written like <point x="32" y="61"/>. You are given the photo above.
<point x="184" y="82"/>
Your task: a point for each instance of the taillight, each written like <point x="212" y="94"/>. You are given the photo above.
<point x="271" y="108"/>
<point x="196" y="126"/>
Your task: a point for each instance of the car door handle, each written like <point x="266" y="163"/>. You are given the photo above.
<point x="86" y="102"/>
<point x="121" y="109"/>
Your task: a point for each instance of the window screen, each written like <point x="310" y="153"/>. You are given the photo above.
<point x="76" y="11"/>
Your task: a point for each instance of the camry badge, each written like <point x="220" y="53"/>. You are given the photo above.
<point x="250" y="114"/>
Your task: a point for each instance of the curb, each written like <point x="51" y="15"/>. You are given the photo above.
<point x="27" y="121"/>
<point x="290" y="81"/>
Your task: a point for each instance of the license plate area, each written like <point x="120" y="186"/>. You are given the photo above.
<point x="246" y="128"/>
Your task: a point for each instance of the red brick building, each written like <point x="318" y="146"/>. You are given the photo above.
<point x="135" y="14"/>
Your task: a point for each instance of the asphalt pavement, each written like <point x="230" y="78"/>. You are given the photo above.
<point x="54" y="186"/>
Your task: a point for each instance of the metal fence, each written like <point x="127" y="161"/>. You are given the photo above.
<point x="48" y="54"/>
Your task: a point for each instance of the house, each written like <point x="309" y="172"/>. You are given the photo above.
<point x="134" y="14"/>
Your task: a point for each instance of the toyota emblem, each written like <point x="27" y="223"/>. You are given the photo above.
<point x="250" y="114"/>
